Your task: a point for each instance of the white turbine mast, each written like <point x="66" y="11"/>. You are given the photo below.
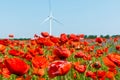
<point x="50" y="18"/>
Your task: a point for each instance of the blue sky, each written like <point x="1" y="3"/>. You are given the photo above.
<point x="23" y="18"/>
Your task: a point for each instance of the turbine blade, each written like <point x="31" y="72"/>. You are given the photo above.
<point x="57" y="21"/>
<point x="45" y="20"/>
<point x="50" y="9"/>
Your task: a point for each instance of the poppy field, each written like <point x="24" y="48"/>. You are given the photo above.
<point x="67" y="57"/>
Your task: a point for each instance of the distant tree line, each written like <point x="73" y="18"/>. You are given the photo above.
<point x="86" y="37"/>
<point x="90" y="36"/>
<point x="21" y="38"/>
<point x="102" y="36"/>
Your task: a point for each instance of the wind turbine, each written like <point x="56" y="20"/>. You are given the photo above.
<point x="50" y="18"/>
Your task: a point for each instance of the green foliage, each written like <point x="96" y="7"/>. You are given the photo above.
<point x="106" y="36"/>
<point x="90" y="36"/>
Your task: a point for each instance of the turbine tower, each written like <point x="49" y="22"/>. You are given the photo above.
<point x="50" y="18"/>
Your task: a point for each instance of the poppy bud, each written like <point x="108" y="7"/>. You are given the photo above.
<point x="45" y="34"/>
<point x="96" y="65"/>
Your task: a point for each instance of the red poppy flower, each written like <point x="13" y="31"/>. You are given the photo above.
<point x="62" y="53"/>
<point x="91" y="74"/>
<point x="45" y="34"/>
<point x="39" y="62"/>
<point x="36" y="36"/>
<point x="72" y="50"/>
<point x="113" y="70"/>
<point x="33" y="42"/>
<point x="38" y="71"/>
<point x="81" y="36"/>
<point x="101" y="74"/>
<point x="41" y="78"/>
<point x="105" y="49"/>
<point x="63" y="37"/>
<point x="41" y="40"/>
<point x="75" y="75"/>
<point x="116" y="39"/>
<point x="28" y="77"/>
<point x="11" y="35"/>
<point x="2" y="47"/>
<point x="5" y="72"/>
<point x="39" y="50"/>
<point x="58" y="68"/>
<point x="14" y="52"/>
<point x="80" y="54"/>
<point x="16" y="66"/>
<point x="99" y="40"/>
<point x="99" y="51"/>
<point x="79" y="68"/>
<point x="54" y="39"/>
<point x="118" y="47"/>
<point x="32" y="51"/>
<point x="73" y="37"/>
<point x="110" y="75"/>
<point x="91" y="48"/>
<point x="88" y="49"/>
<point x="28" y="56"/>
<point x="108" y="62"/>
<point x="48" y="42"/>
<point x="115" y="58"/>
<point x="87" y="57"/>
<point x="86" y="43"/>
